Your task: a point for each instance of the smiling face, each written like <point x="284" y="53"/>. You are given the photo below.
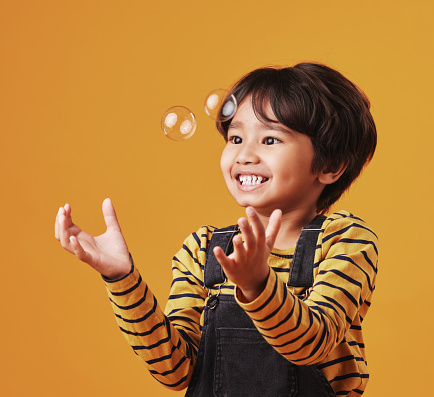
<point x="268" y="166"/>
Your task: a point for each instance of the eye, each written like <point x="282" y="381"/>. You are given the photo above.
<point x="271" y="141"/>
<point x="236" y="140"/>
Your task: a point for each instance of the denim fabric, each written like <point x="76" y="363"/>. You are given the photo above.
<point x="234" y="360"/>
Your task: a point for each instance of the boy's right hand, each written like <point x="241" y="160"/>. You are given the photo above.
<point x="108" y="253"/>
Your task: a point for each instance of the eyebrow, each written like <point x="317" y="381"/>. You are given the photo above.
<point x="265" y="125"/>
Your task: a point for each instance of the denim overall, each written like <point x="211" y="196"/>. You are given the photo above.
<point x="233" y="358"/>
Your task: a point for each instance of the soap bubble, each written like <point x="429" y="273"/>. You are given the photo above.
<point x="220" y="105"/>
<point x="178" y="123"/>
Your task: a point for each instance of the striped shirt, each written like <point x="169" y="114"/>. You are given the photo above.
<point x="324" y="329"/>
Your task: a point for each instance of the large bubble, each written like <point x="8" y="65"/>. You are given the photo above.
<point x="220" y="105"/>
<point x="178" y="123"/>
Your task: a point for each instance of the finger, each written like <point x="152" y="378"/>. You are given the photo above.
<point x="79" y="252"/>
<point x="273" y="227"/>
<point x="56" y="224"/>
<point x="257" y="226"/>
<point x="239" y="254"/>
<point x="63" y="231"/>
<point x="223" y="259"/>
<point x="249" y="236"/>
<point x="67" y="208"/>
<point x="110" y="217"/>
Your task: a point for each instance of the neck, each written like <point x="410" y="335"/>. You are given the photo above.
<point x="291" y="224"/>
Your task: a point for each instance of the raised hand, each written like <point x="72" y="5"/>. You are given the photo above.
<point x="247" y="266"/>
<point x="108" y="253"/>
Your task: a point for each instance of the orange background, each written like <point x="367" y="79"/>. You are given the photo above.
<point x="83" y="85"/>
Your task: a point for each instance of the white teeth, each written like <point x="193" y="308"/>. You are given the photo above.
<point x="250" y="180"/>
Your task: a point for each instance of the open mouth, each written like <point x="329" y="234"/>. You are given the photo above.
<point x="250" y="180"/>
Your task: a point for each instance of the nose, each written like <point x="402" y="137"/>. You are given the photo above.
<point x="247" y="154"/>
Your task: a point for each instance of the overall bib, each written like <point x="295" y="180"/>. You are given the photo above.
<point x="233" y="359"/>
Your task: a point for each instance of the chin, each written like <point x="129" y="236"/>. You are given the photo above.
<point x="247" y="203"/>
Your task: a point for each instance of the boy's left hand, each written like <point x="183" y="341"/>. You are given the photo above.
<point x="247" y="266"/>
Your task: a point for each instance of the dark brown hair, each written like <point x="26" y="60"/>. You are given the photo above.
<point x="320" y="102"/>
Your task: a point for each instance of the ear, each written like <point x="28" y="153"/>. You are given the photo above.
<point x="327" y="176"/>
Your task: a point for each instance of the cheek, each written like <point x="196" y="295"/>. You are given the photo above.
<point x="299" y="160"/>
<point x="292" y="165"/>
<point x="225" y="163"/>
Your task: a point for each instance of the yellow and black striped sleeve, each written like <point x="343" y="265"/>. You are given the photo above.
<point x="325" y="328"/>
<point x="167" y="342"/>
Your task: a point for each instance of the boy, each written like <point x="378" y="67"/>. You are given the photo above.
<point x="278" y="303"/>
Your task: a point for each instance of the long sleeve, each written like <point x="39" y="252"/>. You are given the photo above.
<point x="328" y="322"/>
<point x="166" y="342"/>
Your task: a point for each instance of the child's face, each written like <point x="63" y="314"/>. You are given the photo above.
<point x="268" y="166"/>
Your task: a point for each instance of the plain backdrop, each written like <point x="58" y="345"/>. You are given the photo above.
<point x="83" y="85"/>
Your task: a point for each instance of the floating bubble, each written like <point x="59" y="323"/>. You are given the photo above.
<point x="220" y="105"/>
<point x="178" y="123"/>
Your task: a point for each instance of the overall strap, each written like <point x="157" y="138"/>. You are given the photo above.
<point x="213" y="274"/>
<point x="301" y="272"/>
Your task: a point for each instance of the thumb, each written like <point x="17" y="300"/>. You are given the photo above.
<point x="110" y="215"/>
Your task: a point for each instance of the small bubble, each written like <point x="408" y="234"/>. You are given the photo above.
<point x="220" y="105"/>
<point x="178" y="123"/>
